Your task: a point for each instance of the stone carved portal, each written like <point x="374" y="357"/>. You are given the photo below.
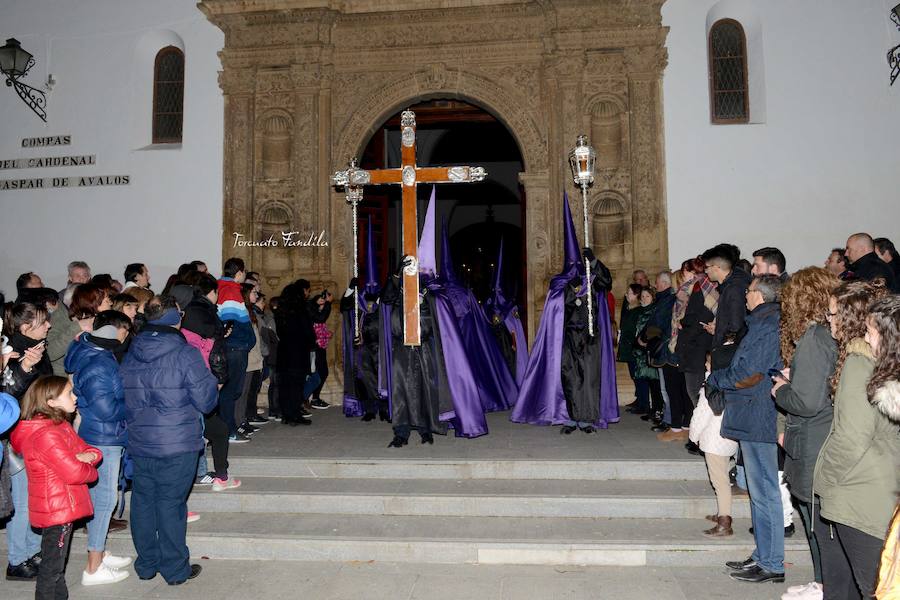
<point x="306" y="83"/>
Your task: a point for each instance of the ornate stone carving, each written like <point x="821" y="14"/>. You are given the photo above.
<point x="305" y="88"/>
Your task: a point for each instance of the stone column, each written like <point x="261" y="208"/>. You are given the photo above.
<point x="537" y="200"/>
<point x="237" y="189"/>
<point x="645" y="65"/>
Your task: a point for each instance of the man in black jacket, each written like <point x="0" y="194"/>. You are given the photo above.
<point x="732" y="286"/>
<point x="865" y="264"/>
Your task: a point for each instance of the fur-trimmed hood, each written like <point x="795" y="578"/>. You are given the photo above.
<point x="887" y="399"/>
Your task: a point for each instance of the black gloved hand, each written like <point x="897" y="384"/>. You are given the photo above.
<point x="354" y="283"/>
<point x="404" y="261"/>
<point x="588" y="254"/>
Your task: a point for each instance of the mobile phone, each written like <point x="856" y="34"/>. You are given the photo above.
<point x="40" y="345"/>
<point x="776" y="374"/>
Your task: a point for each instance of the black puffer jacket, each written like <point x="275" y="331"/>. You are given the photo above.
<point x="871" y="267"/>
<point x="732" y="309"/>
<point x="202" y="318"/>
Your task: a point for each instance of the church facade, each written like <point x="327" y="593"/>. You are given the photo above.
<point x="278" y="94"/>
<point x="304" y="89"/>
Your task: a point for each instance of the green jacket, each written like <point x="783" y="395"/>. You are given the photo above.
<point x="642" y="368"/>
<point x="856" y="476"/>
<point x="62" y="332"/>
<point x="807" y="402"/>
<point x="628" y="328"/>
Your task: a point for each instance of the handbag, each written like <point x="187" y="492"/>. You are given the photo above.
<point x="715" y="398"/>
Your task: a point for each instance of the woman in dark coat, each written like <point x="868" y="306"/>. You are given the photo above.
<point x="296" y="353"/>
<point x="627" y="333"/>
<point x="804" y="393"/>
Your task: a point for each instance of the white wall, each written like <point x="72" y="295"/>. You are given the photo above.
<point x="98" y="51"/>
<point x="824" y="163"/>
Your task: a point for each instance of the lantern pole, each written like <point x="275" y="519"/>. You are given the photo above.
<point x="354" y="194"/>
<point x="581" y="161"/>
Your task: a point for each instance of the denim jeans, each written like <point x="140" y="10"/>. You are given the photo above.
<point x="230" y="393"/>
<point x="159" y="514"/>
<point x="104" y="494"/>
<point x="667" y="408"/>
<point x="761" y="469"/>
<point x="22" y="541"/>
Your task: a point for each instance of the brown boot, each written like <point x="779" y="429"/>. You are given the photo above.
<point x="722" y="528"/>
<point x="713" y="518"/>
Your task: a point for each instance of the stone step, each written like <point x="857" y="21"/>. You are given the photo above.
<point x="485" y="540"/>
<point x="466" y="498"/>
<point x="384" y="468"/>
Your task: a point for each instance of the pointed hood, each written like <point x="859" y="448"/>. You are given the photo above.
<point x="447" y="270"/>
<point x="372" y="280"/>
<point x="427" y="259"/>
<point x="570" y="239"/>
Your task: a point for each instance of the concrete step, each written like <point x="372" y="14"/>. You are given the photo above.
<point x="679" y="469"/>
<point x="466" y="498"/>
<point x="485" y="540"/>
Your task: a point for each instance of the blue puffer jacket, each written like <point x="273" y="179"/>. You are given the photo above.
<point x="168" y="389"/>
<point x="98" y="387"/>
<point x="749" y="409"/>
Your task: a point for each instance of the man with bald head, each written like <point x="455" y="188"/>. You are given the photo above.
<point x="865" y="264"/>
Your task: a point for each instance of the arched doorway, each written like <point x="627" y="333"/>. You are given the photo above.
<point x="478" y="216"/>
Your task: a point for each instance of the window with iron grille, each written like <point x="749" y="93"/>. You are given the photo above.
<point x="728" y="98"/>
<point x="168" y="96"/>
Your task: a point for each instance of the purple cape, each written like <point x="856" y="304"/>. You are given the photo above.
<point x="467" y="417"/>
<point x="541" y="399"/>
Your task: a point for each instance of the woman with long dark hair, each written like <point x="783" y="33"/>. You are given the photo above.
<point x="856" y="472"/>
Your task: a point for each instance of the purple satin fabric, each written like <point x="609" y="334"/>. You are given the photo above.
<point x="467" y="418"/>
<point x="496" y="386"/>
<point x="541" y="399"/>
<point x="351" y="404"/>
<point x="514" y="325"/>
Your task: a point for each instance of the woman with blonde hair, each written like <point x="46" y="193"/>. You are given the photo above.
<point x="804" y="394"/>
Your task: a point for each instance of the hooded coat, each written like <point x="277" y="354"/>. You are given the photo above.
<point x="57" y="481"/>
<point x="856" y="474"/>
<point x="168" y="389"/>
<point x="101" y="396"/>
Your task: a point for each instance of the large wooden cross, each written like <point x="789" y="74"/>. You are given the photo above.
<point x="409" y="175"/>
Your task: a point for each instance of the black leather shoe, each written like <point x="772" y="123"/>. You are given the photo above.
<point x="589" y="429"/>
<point x="646" y="416"/>
<point x="637" y="411"/>
<point x="195" y="570"/>
<point x="788" y="531"/>
<point x="383" y="415"/>
<point x="368" y="417"/>
<point x="26" y="571"/>
<point x="740" y="565"/>
<point x="398" y="442"/>
<point x="693" y="448"/>
<point x="757" y="574"/>
<point x="427" y="438"/>
<point x="632" y="404"/>
<point x="567" y="429"/>
<point x="661" y="428"/>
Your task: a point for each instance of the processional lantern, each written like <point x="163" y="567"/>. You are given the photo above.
<point x="352" y="180"/>
<point x="15" y="62"/>
<point x="893" y="55"/>
<point x="582" y="160"/>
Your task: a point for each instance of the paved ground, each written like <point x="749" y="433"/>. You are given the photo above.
<point x="238" y="580"/>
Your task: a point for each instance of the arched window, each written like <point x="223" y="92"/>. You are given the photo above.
<point x="168" y="96"/>
<point x="728" y="97"/>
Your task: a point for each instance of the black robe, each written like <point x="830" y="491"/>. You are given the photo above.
<point x="580" y="351"/>
<point x="420" y="392"/>
<point x="362" y="382"/>
<point x="505" y="343"/>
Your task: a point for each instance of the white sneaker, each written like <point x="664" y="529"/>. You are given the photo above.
<point x="116" y="562"/>
<point x="220" y="485"/>
<point x="193" y="517"/>
<point x="810" y="591"/>
<point x="102" y="576"/>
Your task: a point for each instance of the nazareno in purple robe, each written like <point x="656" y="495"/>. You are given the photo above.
<point x="541" y="399"/>
<point x="496" y="386"/>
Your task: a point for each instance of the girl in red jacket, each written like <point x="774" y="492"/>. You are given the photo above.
<point x="59" y="465"/>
